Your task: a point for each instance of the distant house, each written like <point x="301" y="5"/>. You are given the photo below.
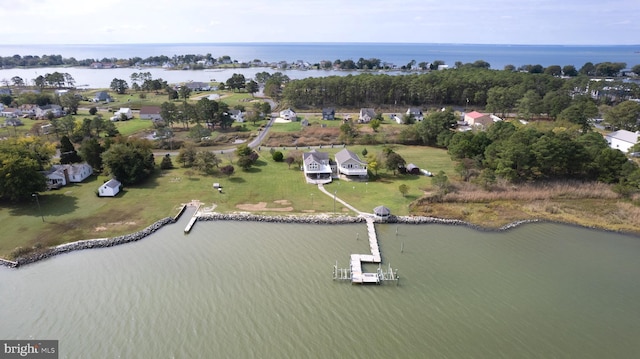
<point x="43" y="111"/>
<point x="328" y="113"/>
<point x="76" y="172"/>
<point x="416" y="113"/>
<point x="622" y="140"/>
<point x="198" y="86"/>
<point x="476" y="118"/>
<point x="366" y="115"/>
<point x="349" y="164"/>
<point x="102" y="96"/>
<point x="317" y="167"/>
<point x="150" y="113"/>
<point x="10" y="112"/>
<point x="236" y="115"/>
<point x="13" y="121"/>
<point x="109" y="188"/>
<point x="122" y="111"/>
<point x="289" y="115"/>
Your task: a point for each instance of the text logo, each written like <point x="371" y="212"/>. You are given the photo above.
<point x="40" y="349"/>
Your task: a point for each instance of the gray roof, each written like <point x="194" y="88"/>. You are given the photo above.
<point x="367" y="112"/>
<point x="320" y="157"/>
<point x="624" y="135"/>
<point x="381" y="211"/>
<point x="345" y="155"/>
<point x="113" y="183"/>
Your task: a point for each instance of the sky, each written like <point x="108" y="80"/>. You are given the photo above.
<point x="543" y="22"/>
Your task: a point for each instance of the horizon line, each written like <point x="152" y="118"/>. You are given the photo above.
<point x="309" y="43"/>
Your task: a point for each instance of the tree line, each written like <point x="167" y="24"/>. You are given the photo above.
<point x="466" y="86"/>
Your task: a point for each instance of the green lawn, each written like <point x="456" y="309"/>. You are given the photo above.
<point x="75" y="212"/>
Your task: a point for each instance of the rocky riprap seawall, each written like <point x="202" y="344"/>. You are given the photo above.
<point x="280" y="219"/>
<point x="89" y="243"/>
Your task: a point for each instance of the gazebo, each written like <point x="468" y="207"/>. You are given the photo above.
<point x="382" y="212"/>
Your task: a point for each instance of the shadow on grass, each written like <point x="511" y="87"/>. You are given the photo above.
<point x="260" y="163"/>
<point x="253" y="170"/>
<point x="237" y="180"/>
<point x="51" y="205"/>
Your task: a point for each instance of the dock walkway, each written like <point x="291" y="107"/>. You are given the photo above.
<point x="355" y="273"/>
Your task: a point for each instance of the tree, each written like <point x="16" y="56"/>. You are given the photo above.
<point x="394" y="162"/>
<point x="289" y="160"/>
<point x="636" y="69"/>
<point x="17" y="81"/>
<point x="70" y="102"/>
<point x="91" y="152"/>
<point x="166" y="163"/>
<point x="187" y="155"/>
<point x="68" y="153"/>
<point x="19" y="177"/>
<point x="130" y="161"/>
<point x="375" y="124"/>
<point x="227" y="170"/>
<point x="93" y="110"/>
<point x="236" y="82"/>
<point x="624" y="116"/>
<point x="569" y="70"/>
<point x="530" y="105"/>
<point x="206" y="162"/>
<point x="119" y="86"/>
<point x="404" y="189"/>
<point x="184" y="92"/>
<point x="169" y="112"/>
<point x="252" y="87"/>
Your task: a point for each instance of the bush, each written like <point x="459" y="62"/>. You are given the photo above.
<point x="277" y="156"/>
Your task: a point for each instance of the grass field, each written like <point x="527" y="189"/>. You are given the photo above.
<point x="75" y="212"/>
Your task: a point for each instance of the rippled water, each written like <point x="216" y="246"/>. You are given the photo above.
<point x="258" y="290"/>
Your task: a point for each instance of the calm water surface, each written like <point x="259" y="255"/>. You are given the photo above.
<point x="257" y="290"/>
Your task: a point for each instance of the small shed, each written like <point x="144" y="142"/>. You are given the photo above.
<point x="413" y="169"/>
<point x="382" y="212"/>
<point x="110" y="188"/>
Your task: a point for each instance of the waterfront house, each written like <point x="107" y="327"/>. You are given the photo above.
<point x="288" y="115"/>
<point x="622" y="140"/>
<point x="150" y="113"/>
<point x="328" y="113"/>
<point x="317" y="167"/>
<point x="475" y="118"/>
<point x="350" y="165"/>
<point x="366" y="115"/>
<point x="109" y="188"/>
<point x="10" y="112"/>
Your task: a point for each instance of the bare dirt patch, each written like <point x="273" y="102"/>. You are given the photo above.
<point x="262" y="206"/>
<point x="105" y="226"/>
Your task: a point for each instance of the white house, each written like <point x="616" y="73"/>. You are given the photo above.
<point x="622" y="140"/>
<point x="109" y="188"/>
<point x="317" y="167"/>
<point x="366" y="115"/>
<point x="236" y="115"/>
<point x="55" y="177"/>
<point x="150" y="113"/>
<point x="349" y="164"/>
<point x="123" y="110"/>
<point x="288" y="115"/>
<point x="76" y="172"/>
<point x="416" y="113"/>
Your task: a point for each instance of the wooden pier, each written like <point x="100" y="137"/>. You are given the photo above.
<point x="355" y="274"/>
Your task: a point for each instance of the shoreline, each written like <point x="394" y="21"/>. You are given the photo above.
<point x="300" y="219"/>
<point x="250" y="217"/>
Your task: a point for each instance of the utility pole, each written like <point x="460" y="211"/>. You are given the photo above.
<point x="38" y="202"/>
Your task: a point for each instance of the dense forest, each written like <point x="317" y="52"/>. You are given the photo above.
<point x="499" y="91"/>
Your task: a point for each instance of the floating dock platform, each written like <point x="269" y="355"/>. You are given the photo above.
<point x="355" y="274"/>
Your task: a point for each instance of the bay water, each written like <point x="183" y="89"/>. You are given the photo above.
<point x="263" y="290"/>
